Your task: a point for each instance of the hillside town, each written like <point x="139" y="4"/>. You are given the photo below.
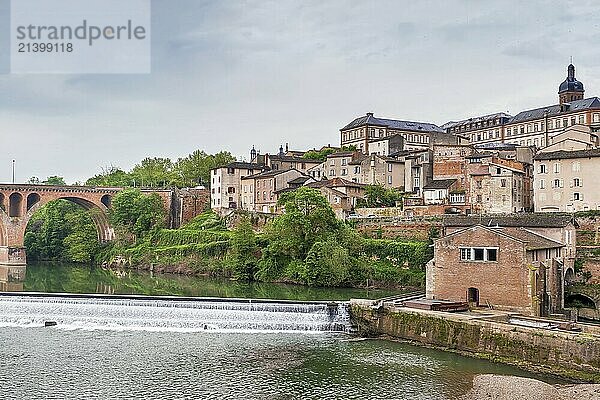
<point x="505" y="187"/>
<point x="538" y="160"/>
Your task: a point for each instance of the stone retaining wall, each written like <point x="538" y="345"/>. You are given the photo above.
<point x="571" y="355"/>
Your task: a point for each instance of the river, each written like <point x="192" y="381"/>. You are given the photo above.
<point x="110" y="349"/>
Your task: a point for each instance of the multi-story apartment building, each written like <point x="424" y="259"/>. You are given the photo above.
<point x="225" y="184"/>
<point x="418" y="170"/>
<point x="534" y="127"/>
<point x="566" y="173"/>
<point x="285" y="161"/>
<point x="365" y="132"/>
<point x="341" y="194"/>
<point x="260" y="192"/>
<point x="470" y="180"/>
<point x="360" y="168"/>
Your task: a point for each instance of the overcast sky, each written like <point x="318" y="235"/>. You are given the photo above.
<point x="228" y="75"/>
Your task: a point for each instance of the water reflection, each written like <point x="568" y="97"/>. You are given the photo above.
<point x="69" y="278"/>
<point x="12" y="278"/>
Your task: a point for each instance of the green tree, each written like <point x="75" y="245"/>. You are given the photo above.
<point x="195" y="168"/>
<point x="308" y="219"/>
<point x="379" y="196"/>
<point x="244" y="250"/>
<point x="54" y="180"/>
<point x="137" y="213"/>
<point x="110" y="177"/>
<point x="153" y="172"/>
<point x="61" y="230"/>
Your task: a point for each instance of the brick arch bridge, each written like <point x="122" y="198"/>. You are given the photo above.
<point x="18" y="203"/>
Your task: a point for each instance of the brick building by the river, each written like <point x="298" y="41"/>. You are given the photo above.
<point x="514" y="262"/>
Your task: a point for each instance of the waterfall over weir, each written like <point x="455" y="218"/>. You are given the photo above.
<point x="122" y="313"/>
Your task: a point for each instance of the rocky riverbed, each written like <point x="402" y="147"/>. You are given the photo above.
<point x="515" y="388"/>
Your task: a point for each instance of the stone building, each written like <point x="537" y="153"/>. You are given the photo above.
<point x="225" y="184"/>
<point x="481" y="180"/>
<point x="558" y="227"/>
<point x="566" y="173"/>
<point x="537" y="126"/>
<point x="362" y="132"/>
<point x="260" y="192"/>
<point x="342" y="194"/>
<point x="418" y="170"/>
<point x="511" y="268"/>
<point x="360" y="168"/>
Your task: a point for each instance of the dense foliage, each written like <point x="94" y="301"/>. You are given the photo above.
<point x="306" y="244"/>
<point x="379" y="196"/>
<point x="192" y="170"/>
<point x="324" y="152"/>
<point x="61" y="231"/>
<point x="135" y="213"/>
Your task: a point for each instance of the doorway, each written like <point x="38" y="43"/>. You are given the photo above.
<point x="473" y="296"/>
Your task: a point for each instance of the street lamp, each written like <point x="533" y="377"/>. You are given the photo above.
<point x="13" y="171"/>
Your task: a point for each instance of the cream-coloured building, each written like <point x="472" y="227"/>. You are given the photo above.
<point x="566" y="173"/>
<point x="535" y="127"/>
<point x="365" y="132"/>
<point x="260" y="192"/>
<point x="225" y="184"/>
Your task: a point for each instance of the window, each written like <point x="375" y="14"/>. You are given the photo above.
<point x="556" y="183"/>
<point x="542" y="168"/>
<point x="581" y="119"/>
<point x="344" y="161"/>
<point x="390" y="167"/>
<point x="503" y="182"/>
<point x="489" y="254"/>
<point x="542" y="184"/>
<point x="577" y="196"/>
<point x="389" y="179"/>
<point x="576" y="182"/>
<point x="498" y="171"/>
<point x="576" y="166"/>
<point x="556" y="168"/>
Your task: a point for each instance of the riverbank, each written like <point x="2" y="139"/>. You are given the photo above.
<point x="571" y="355"/>
<point x="517" y="388"/>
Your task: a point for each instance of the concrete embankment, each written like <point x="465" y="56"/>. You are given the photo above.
<point x="573" y="355"/>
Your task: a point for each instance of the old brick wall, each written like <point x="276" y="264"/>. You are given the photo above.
<point x="189" y="204"/>
<point x="505" y="282"/>
<point x="397" y="228"/>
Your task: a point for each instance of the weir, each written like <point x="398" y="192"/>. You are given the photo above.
<point x="140" y="313"/>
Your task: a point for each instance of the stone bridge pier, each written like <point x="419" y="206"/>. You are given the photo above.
<point x="19" y="202"/>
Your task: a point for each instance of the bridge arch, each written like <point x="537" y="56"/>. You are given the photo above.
<point x="580" y="299"/>
<point x="15" y="205"/>
<point x="98" y="213"/>
<point x="32" y="200"/>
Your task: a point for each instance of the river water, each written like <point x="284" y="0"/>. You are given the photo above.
<point x="158" y="349"/>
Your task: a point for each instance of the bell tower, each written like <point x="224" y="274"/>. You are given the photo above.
<point x="570" y="89"/>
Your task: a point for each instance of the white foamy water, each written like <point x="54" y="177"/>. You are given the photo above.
<point x="157" y="315"/>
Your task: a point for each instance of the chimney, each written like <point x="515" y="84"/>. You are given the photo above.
<point x="369" y="114"/>
<point x="287" y="148"/>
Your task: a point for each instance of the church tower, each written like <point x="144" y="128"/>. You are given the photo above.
<point x="571" y="89"/>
